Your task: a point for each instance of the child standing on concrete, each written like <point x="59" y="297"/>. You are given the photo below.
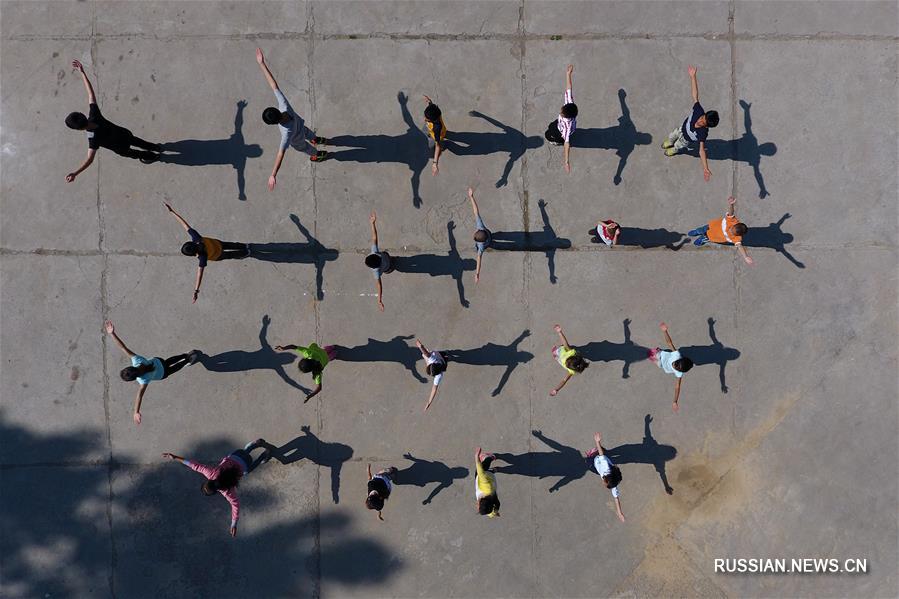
<point x="568" y="358"/>
<point x="672" y="362"/>
<point x="314" y="360"/>
<point x="560" y="130"/>
<point x="727" y="231"/>
<point x="435" y="129"/>
<point x="694" y="129"/>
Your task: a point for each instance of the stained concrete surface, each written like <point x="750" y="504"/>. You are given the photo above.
<point x="785" y="444"/>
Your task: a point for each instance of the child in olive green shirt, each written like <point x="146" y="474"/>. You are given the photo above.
<point x="314" y="360"/>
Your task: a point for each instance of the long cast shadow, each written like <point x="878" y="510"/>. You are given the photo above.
<point x="622" y="138"/>
<point x="310" y="252"/>
<point x="204" y="152"/>
<point x="565" y="462"/>
<point x="647" y="452"/>
<point x="545" y="241"/>
<point x="424" y="472"/>
<point x="745" y="149"/>
<point x="493" y="354"/>
<point x="451" y="265"/>
<point x="264" y="358"/>
<point x="607" y="351"/>
<point x="652" y="238"/>
<point x="772" y="237"/>
<point x="308" y="446"/>
<point x="409" y="148"/>
<point x="395" y="350"/>
<point x="716" y="353"/>
<point x="509" y="140"/>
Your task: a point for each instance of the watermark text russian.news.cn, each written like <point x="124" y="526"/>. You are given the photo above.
<point x="796" y="565"/>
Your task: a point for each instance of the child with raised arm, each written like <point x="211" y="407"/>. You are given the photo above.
<point x="485" y="484"/>
<point x="145" y="371"/>
<point x="379" y="262"/>
<point x="606" y="231"/>
<point x="291" y="125"/>
<point x="568" y="358"/>
<point x="482" y="235"/>
<point x="207" y="248"/>
<point x="727" y="231"/>
<point x="435" y="129"/>
<point x="436" y="366"/>
<point x="560" y="130"/>
<point x="380" y="486"/>
<point x="225" y="477"/>
<point x="694" y="129"/>
<point x="672" y="362"/>
<point x="608" y="471"/>
<point x="314" y="360"/>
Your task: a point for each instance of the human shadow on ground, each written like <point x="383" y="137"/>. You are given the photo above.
<point x="451" y="265"/>
<point x="564" y="462"/>
<point x="395" y="350"/>
<point x="622" y="138"/>
<point x="310" y="252"/>
<point x="745" y="149"/>
<point x="264" y="358"/>
<point x="651" y="238"/>
<point x="492" y="354"/>
<point x="647" y="452"/>
<point x="608" y="351"/>
<point x="545" y="241"/>
<point x="772" y="237"/>
<point x="424" y="472"/>
<point x="308" y="446"/>
<point x="163" y="519"/>
<point x="409" y="148"/>
<point x="509" y="140"/>
<point x="204" y="152"/>
<point x="716" y="353"/>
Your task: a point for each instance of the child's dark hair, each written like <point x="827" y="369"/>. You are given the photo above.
<point x="373" y="261"/>
<point x="227" y="479"/>
<point x="569" y="111"/>
<point x="740" y="229"/>
<point x="683" y="364"/>
<point x="612" y="479"/>
<point x="190" y="248"/>
<point x="309" y="365"/>
<point x="711" y="118"/>
<point x="480" y="235"/>
<point x="76" y="120"/>
<point x="577" y="363"/>
<point x="130" y="373"/>
<point x="271" y="116"/>
<point x="435" y="368"/>
<point x="432" y="112"/>
<point x="374" y="502"/>
<point x="488" y="505"/>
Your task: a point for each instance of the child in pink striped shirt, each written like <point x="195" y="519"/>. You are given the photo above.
<point x="225" y="477"/>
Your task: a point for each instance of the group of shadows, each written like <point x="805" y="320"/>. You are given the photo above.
<point x="411" y="148"/>
<point x="156" y="514"/>
<point x="546" y="241"/>
<point x="398" y="350"/>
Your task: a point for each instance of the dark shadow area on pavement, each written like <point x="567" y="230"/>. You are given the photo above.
<point x="772" y="237"/>
<point x="564" y="462"/>
<point x="622" y="138"/>
<point x="410" y="148"/>
<point x="205" y="152"/>
<point x="309" y="252"/>
<point x="716" y="353"/>
<point x="309" y="447"/>
<point x="745" y="149"/>
<point x="170" y="540"/>
<point x="424" y="472"/>
<point x="651" y="238"/>
<point x="647" y="452"/>
<point x="264" y="358"/>
<point x="493" y="354"/>
<point x="510" y="141"/>
<point x="395" y="350"/>
<point x="451" y="265"/>
<point x="545" y="241"/>
<point x="608" y="351"/>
